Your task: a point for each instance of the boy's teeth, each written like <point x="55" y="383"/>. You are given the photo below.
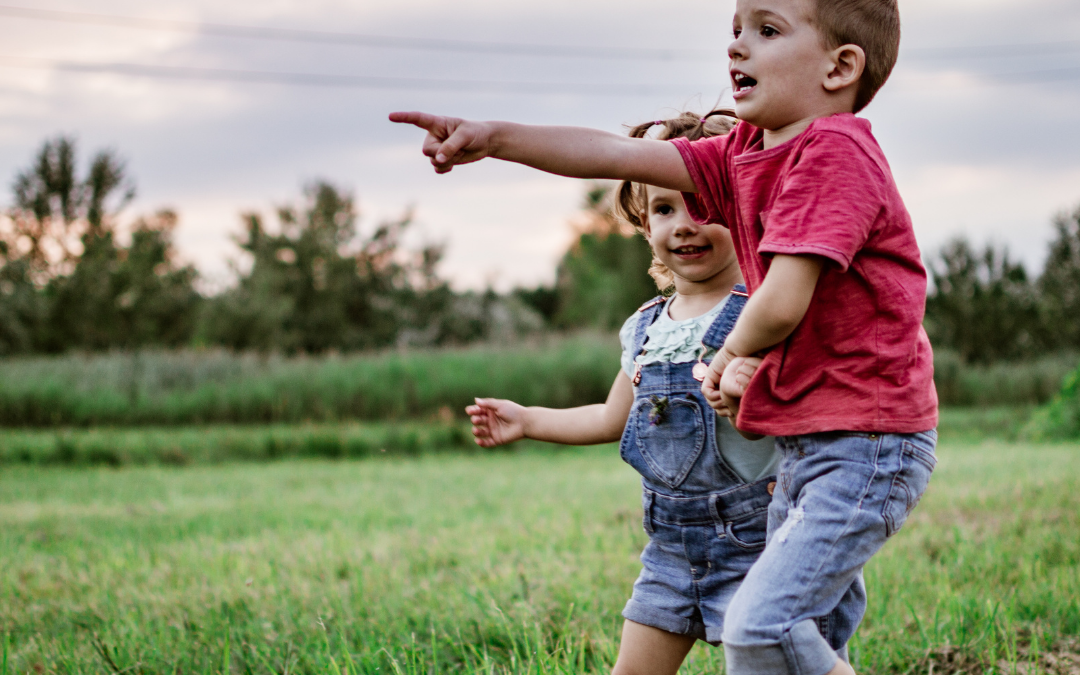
<point x="743" y="82"/>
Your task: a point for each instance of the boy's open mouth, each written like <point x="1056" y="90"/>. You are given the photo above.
<point x="690" y="250"/>
<point x="742" y="82"/>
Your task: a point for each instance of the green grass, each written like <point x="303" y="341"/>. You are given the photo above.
<point x="217" y="387"/>
<point x="214" y="444"/>
<point x="181" y="446"/>
<point x="1023" y="383"/>
<point x="1060" y="419"/>
<point x="485" y="563"/>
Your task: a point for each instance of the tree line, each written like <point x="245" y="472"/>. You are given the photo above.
<point x="313" y="282"/>
<point x="316" y="280"/>
<point x="986" y="307"/>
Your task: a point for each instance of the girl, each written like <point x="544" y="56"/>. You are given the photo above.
<point x="705" y="489"/>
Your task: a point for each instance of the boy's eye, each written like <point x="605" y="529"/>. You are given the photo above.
<point x="769" y="31"/>
<point x="735" y="33"/>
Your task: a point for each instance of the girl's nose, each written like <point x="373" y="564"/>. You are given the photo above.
<point x="686" y="228"/>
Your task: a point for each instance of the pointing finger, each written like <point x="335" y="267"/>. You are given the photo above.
<point x="423" y="120"/>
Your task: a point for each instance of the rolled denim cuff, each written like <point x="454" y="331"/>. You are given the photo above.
<point x="646" y="615"/>
<point x="800" y="651"/>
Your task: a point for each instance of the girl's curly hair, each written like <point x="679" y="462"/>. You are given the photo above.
<point x="631" y="199"/>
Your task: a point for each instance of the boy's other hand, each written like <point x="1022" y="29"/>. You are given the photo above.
<point x="736" y="378"/>
<point x="496" y="422"/>
<point x="450" y="141"/>
<point x="710" y="386"/>
<point x="733" y="384"/>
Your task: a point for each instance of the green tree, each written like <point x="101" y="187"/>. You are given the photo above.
<point x="982" y="305"/>
<point x="316" y="284"/>
<point x="67" y="283"/>
<point x="604" y="277"/>
<point x="1059" y="285"/>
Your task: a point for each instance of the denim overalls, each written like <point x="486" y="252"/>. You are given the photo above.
<point x="706" y="525"/>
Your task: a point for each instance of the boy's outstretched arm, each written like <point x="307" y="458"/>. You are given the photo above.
<point x="770" y="316"/>
<point x="567" y="151"/>
<point x="498" y="422"/>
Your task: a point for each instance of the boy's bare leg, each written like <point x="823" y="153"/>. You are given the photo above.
<point x="650" y="651"/>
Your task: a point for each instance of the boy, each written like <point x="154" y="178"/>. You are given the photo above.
<point x="838" y="291"/>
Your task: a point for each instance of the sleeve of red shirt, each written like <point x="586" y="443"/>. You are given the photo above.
<point x="705" y="160"/>
<point x="828" y="203"/>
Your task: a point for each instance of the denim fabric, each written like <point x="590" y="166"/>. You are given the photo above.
<point x="840" y="495"/>
<point x="706" y="526"/>
<point x="699" y="550"/>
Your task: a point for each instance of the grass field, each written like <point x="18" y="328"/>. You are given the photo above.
<point x="516" y="562"/>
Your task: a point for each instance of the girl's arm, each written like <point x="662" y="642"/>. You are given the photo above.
<point x="498" y="422"/>
<point x="567" y="151"/>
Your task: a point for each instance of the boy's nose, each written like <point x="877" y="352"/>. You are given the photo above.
<point x="736" y="50"/>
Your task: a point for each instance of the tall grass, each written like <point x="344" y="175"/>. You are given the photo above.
<point x="217" y="387"/>
<point x="1059" y="419"/>
<point x="171" y="388"/>
<point x="1021" y="383"/>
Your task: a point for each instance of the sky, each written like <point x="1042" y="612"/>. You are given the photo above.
<point x="980" y="120"/>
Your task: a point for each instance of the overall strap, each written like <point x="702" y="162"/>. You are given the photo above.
<point x="649" y="312"/>
<point x="725" y="321"/>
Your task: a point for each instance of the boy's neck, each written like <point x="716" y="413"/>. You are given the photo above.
<point x="775" y="137"/>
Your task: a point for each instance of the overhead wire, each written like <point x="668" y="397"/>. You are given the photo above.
<point x="483" y="47"/>
<point x="350" y="81"/>
<point x="161" y="72"/>
<point x="359" y="39"/>
<point x="439" y="84"/>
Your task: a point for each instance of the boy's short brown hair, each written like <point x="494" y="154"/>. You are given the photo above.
<point x="873" y="25"/>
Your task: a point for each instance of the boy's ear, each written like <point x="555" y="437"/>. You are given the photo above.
<point x="848" y="64"/>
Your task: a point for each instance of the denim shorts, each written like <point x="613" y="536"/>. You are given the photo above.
<point x="699" y="551"/>
<point x="839" y="496"/>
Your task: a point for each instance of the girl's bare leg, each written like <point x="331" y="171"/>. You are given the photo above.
<point x="841" y="668"/>
<point x="650" y="651"/>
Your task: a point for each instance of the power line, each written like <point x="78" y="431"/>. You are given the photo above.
<point x="995" y="51"/>
<point x="359" y="39"/>
<point x="482" y="47"/>
<point x="351" y="81"/>
<point x="434" y="84"/>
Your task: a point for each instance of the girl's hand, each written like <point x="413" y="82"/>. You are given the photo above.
<point x="450" y="141"/>
<point x="496" y="421"/>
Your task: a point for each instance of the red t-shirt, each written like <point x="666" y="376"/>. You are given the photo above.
<point x="860" y="359"/>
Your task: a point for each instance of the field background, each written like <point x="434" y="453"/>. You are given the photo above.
<point x="272" y="473"/>
<point x="518" y="561"/>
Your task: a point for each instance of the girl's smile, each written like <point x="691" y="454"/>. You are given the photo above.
<point x="692" y="252"/>
<point x="701" y="257"/>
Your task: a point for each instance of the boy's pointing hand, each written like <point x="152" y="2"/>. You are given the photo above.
<point x="450" y="141"/>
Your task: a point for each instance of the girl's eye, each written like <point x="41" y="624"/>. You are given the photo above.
<point x="769" y="31"/>
<point x="664" y="209"/>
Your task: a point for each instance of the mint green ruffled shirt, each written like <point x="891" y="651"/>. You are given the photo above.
<point x="680" y="342"/>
